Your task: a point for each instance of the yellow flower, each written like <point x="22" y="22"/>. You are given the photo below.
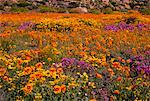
<point x="46" y="73"/>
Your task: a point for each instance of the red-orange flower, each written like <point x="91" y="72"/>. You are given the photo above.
<point x="28" y="88"/>
<point x="116" y="64"/>
<point x="111" y="71"/>
<point x="39" y="65"/>
<point x="5" y="78"/>
<point x="59" y="70"/>
<point x="57" y="89"/>
<point x="52" y="70"/>
<point x="63" y="88"/>
<point x="93" y="100"/>
<point x="116" y="92"/>
<point x="27" y="71"/>
<point x="99" y="75"/>
<point x="38" y="75"/>
<point x="2" y="71"/>
<point x="119" y="79"/>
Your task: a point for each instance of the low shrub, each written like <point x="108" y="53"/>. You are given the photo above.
<point x="107" y="10"/>
<point x="94" y="11"/>
<point x="145" y="11"/>
<point x="44" y="9"/>
<point x="19" y="9"/>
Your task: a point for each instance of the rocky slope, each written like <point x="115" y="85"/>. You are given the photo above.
<point x="123" y="5"/>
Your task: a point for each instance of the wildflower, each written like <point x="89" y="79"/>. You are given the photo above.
<point x="39" y="65"/>
<point x="59" y="70"/>
<point x="57" y="89"/>
<point x="2" y="71"/>
<point x="32" y="77"/>
<point x="27" y="71"/>
<point x="93" y="100"/>
<point x="28" y="57"/>
<point x="52" y="71"/>
<point x="99" y="76"/>
<point x="116" y="64"/>
<point x="38" y="75"/>
<point x="111" y="71"/>
<point x="28" y="88"/>
<point x="5" y="78"/>
<point x="119" y="79"/>
<point x="46" y="73"/>
<point x="116" y="92"/>
<point x="38" y="96"/>
<point x="63" y="88"/>
<point x="49" y="59"/>
<point x="20" y="61"/>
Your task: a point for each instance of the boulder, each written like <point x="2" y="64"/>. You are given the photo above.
<point x="127" y="6"/>
<point x="79" y="10"/>
<point x="7" y="8"/>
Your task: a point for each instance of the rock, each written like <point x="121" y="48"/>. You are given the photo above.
<point x="127" y="6"/>
<point x="7" y="8"/>
<point x="79" y="10"/>
<point x="117" y="8"/>
<point x="126" y="1"/>
<point x="136" y="7"/>
<point x="106" y="2"/>
<point x="121" y="7"/>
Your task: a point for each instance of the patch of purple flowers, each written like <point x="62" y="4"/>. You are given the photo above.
<point x="26" y="25"/>
<point x="66" y="62"/>
<point x="141" y="63"/>
<point x="124" y="26"/>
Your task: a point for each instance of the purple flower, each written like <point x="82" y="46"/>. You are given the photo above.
<point x="25" y="25"/>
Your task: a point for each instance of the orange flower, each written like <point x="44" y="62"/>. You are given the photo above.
<point x="28" y="57"/>
<point x="5" y="78"/>
<point x="28" y="88"/>
<point x="39" y="65"/>
<point x="59" y="70"/>
<point x="93" y="100"/>
<point x="49" y="59"/>
<point x="2" y="71"/>
<point x="116" y="64"/>
<point x="99" y="75"/>
<point x="20" y="62"/>
<point x="111" y="71"/>
<point x="57" y="89"/>
<point x="32" y="77"/>
<point x="119" y="79"/>
<point x="116" y="92"/>
<point x="38" y="75"/>
<point x="128" y="61"/>
<point x="27" y="71"/>
<point x="63" y="88"/>
<point x="52" y="70"/>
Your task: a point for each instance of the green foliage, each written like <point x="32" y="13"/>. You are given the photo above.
<point x="21" y="9"/>
<point x="44" y="9"/>
<point x="145" y="11"/>
<point x="107" y="10"/>
<point x="24" y="4"/>
<point x="94" y="11"/>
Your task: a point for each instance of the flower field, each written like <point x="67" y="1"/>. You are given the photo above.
<point x="74" y="57"/>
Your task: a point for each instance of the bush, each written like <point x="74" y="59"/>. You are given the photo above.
<point x="23" y="4"/>
<point x="145" y="11"/>
<point x="20" y="9"/>
<point x="94" y="11"/>
<point x="107" y="10"/>
<point x="44" y="9"/>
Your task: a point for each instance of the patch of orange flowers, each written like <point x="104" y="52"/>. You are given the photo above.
<point x="59" y="89"/>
